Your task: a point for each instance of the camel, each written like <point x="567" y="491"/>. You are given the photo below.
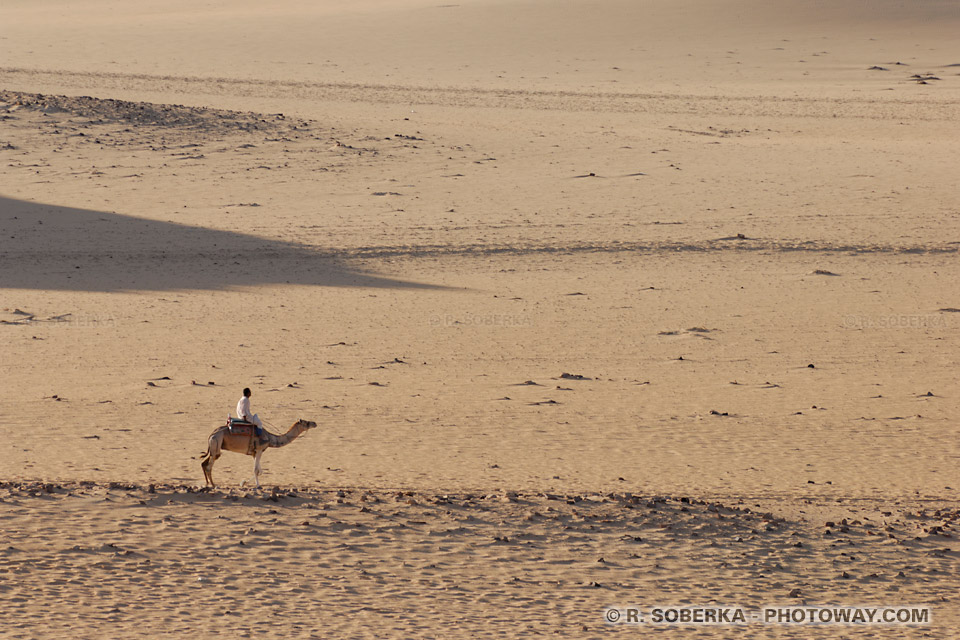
<point x="242" y="440"/>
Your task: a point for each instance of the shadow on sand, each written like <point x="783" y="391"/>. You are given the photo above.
<point x="62" y="248"/>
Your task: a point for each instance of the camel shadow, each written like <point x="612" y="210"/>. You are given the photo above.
<point x="62" y="248"/>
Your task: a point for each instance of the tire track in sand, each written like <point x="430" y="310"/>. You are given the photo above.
<point x="707" y="105"/>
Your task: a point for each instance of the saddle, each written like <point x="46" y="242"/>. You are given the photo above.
<point x="239" y="427"/>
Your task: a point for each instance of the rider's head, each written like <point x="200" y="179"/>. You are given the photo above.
<point x="246" y="392"/>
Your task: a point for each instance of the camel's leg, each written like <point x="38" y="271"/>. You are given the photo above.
<point x="257" y="468"/>
<point x="203" y="465"/>
<point x="206" y="463"/>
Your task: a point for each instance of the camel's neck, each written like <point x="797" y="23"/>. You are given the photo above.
<point x="288" y="437"/>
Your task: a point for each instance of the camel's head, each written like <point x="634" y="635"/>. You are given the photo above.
<point x="306" y="424"/>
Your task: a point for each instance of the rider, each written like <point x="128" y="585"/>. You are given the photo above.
<point x="244" y="412"/>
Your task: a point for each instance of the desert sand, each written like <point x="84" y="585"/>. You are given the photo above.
<point x="594" y="304"/>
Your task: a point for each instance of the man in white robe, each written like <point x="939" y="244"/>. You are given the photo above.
<point x="244" y="412"/>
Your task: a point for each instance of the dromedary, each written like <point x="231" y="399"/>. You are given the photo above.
<point x="241" y="439"/>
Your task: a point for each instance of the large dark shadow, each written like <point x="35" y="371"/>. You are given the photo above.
<point x="51" y="247"/>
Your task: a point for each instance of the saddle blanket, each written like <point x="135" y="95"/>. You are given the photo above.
<point x="242" y="428"/>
